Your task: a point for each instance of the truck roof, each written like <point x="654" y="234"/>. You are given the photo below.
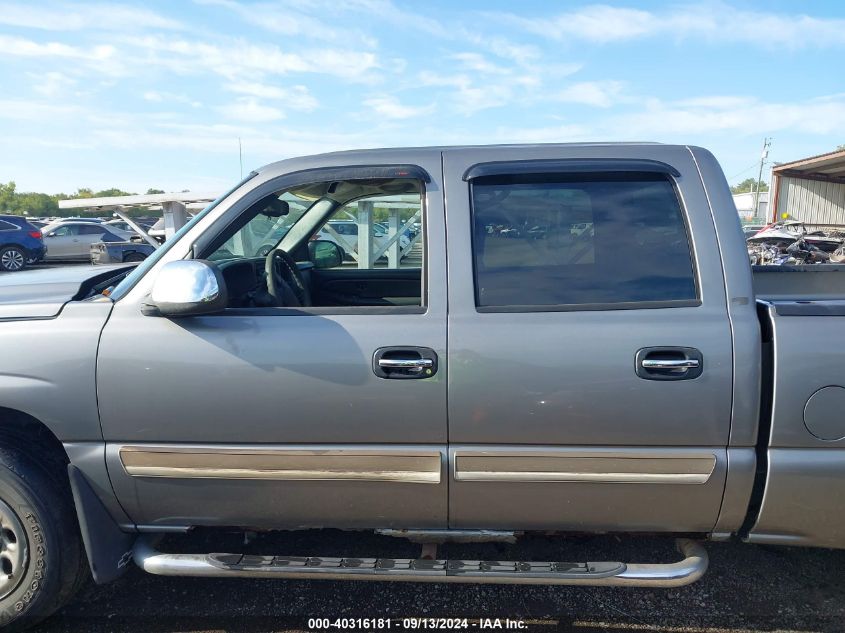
<point x="359" y="154"/>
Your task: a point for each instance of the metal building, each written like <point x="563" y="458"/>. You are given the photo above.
<point x="810" y="190"/>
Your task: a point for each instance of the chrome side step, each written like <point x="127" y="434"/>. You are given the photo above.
<point x="690" y="569"/>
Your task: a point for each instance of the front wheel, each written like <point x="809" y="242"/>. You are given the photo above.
<point x="12" y="258"/>
<point x="41" y="558"/>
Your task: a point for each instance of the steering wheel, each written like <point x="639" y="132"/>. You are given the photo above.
<point x="284" y="281"/>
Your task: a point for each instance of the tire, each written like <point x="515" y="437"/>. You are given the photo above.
<point x="39" y="543"/>
<point x="134" y="257"/>
<point x="12" y="259"/>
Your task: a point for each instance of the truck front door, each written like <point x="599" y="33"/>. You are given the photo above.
<point x="590" y="349"/>
<point x="277" y="416"/>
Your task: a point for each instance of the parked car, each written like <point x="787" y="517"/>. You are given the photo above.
<point x="348" y="232"/>
<point x="617" y="380"/>
<point x="72" y="240"/>
<point x="20" y="243"/>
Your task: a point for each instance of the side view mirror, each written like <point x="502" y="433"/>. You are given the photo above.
<point x="189" y="288"/>
<point x="325" y="254"/>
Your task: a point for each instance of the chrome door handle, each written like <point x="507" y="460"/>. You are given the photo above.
<point x="669" y="363"/>
<point x="405" y="362"/>
<point x="408" y="364"/>
<point x="690" y="363"/>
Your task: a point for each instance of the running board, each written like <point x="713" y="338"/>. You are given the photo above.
<point x="422" y="570"/>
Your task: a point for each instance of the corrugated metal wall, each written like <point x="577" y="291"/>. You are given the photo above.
<point x="811" y="201"/>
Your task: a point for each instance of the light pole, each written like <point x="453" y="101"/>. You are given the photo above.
<point x="767" y="143"/>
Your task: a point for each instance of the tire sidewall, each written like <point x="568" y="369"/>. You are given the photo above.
<point x="42" y="579"/>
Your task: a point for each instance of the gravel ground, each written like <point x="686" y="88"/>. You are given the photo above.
<point x="748" y="588"/>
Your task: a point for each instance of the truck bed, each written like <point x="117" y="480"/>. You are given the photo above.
<point x="810" y="283"/>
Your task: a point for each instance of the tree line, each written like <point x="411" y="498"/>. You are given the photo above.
<point x="35" y="204"/>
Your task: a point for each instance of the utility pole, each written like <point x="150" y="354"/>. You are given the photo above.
<point x="767" y="143"/>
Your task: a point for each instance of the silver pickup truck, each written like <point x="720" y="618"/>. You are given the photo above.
<point x="574" y="342"/>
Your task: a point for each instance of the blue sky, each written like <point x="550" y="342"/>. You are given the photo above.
<point x="156" y="94"/>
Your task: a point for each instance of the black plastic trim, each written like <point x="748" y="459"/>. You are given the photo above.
<point x="422" y="352"/>
<point x="321" y="311"/>
<point x="109" y="548"/>
<point x="353" y="172"/>
<point x="568" y="165"/>
<point x="593" y="307"/>
<point x="809" y="308"/>
<point x="764" y="425"/>
<point x="689" y="353"/>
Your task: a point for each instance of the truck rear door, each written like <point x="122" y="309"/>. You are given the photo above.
<point x="590" y="349"/>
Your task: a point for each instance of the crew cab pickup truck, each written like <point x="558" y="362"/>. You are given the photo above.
<point x="579" y="346"/>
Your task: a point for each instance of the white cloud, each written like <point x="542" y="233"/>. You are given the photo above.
<point x="715" y="21"/>
<point x="475" y="62"/>
<point x="281" y="19"/>
<point x="251" y="110"/>
<point x="739" y="116"/>
<point x="51" y="84"/>
<point x="236" y="59"/>
<point x="155" y="96"/>
<point x="25" y="110"/>
<point x="20" y="47"/>
<point x="391" y="108"/>
<point x="601" y="94"/>
<point x="63" y="16"/>
<point x="295" y="97"/>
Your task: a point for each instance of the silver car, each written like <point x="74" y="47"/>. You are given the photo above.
<point x="72" y="240"/>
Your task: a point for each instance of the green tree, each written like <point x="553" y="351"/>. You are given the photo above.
<point x="749" y="185"/>
<point x="152" y="191"/>
<point x="110" y="193"/>
<point x="7" y="197"/>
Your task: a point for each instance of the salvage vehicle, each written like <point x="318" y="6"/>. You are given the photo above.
<point x="108" y="252"/>
<point x="636" y="377"/>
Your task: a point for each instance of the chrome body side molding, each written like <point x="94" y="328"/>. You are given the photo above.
<point x="192" y="462"/>
<point x="583" y="466"/>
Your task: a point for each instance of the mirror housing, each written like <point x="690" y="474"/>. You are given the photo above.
<point x="325" y="254"/>
<point x="189" y="288"/>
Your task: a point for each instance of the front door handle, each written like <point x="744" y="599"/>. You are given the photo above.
<point x="668" y="363"/>
<point x="403" y="363"/>
<point x="649" y="363"/>
<point x="411" y="364"/>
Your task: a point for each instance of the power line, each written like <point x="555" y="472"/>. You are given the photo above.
<point x="751" y="166"/>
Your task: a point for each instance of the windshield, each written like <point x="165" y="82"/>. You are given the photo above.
<point x="267" y="222"/>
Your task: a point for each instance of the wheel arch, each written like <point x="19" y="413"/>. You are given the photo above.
<point x="78" y="470"/>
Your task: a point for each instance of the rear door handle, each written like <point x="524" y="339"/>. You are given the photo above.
<point x="403" y="363"/>
<point x="669" y="363"/>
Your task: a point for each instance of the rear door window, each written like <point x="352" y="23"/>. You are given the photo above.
<point x="600" y="239"/>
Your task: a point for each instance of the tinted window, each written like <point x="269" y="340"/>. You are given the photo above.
<point x="7" y="226"/>
<point x="579" y="239"/>
<point x="67" y="229"/>
<point x="94" y="229"/>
